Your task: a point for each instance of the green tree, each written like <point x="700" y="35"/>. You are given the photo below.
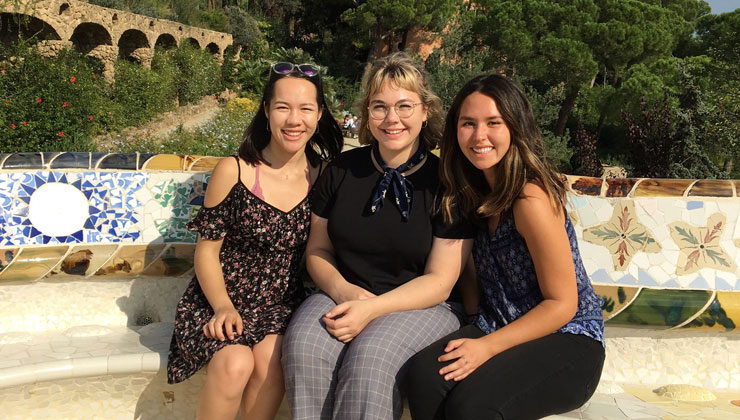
<point x="389" y="21"/>
<point x="578" y="42"/>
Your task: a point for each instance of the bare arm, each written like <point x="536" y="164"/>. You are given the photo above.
<point x="444" y="264"/>
<point x="207" y="262"/>
<point x="542" y="227"/>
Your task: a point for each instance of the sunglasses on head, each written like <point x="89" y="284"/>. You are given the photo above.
<point x="283" y="67"/>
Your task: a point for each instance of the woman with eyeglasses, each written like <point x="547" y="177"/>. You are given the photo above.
<point x="385" y="265"/>
<point x="253" y="229"/>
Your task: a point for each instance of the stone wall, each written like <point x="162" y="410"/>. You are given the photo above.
<point x="107" y="34"/>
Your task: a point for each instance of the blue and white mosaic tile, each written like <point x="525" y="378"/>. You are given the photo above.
<point x="49" y="207"/>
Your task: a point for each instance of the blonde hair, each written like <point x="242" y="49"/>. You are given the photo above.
<point x="402" y="72"/>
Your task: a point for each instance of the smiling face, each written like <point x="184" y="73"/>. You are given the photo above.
<point x="397" y="137"/>
<point x="482" y="133"/>
<point x="293" y="114"/>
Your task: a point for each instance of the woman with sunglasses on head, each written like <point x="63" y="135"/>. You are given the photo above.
<point x="537" y="346"/>
<point x="385" y="265"/>
<point x="253" y="229"/>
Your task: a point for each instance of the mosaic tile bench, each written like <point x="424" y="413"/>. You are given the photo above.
<point x="94" y="255"/>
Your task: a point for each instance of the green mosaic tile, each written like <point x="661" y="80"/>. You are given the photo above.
<point x="665" y="308"/>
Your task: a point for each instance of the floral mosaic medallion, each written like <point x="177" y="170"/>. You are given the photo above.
<point x="699" y="246"/>
<point x="623" y="235"/>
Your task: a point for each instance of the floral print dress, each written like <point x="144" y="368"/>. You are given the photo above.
<point x="260" y="259"/>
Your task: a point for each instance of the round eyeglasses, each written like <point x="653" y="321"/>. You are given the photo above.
<point x="403" y="110"/>
<point x="284" y="67"/>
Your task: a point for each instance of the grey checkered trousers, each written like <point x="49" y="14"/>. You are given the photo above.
<point x="326" y="379"/>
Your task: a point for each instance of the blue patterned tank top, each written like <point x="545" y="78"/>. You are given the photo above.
<point x="510" y="287"/>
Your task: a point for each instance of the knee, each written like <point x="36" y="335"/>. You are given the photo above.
<point x="423" y="371"/>
<point x="231" y="371"/>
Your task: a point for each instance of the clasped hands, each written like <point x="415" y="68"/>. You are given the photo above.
<point x="351" y="315"/>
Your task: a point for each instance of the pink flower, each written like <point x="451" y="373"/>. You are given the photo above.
<point x="72" y="79"/>
<point x="64" y="105"/>
<point x="12" y="126"/>
<point x="91" y="118"/>
<point x="39" y="100"/>
<point x="61" y="134"/>
<point x="25" y="122"/>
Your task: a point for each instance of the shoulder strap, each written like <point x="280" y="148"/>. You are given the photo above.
<point x="238" y="168"/>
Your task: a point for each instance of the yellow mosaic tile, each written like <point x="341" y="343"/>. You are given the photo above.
<point x="130" y="260"/>
<point x="615" y="298"/>
<point x="166" y="162"/>
<point x="176" y="260"/>
<point x="6" y="257"/>
<point x="33" y="263"/>
<point x="683" y="392"/>
<point x="83" y="260"/>
<point x="711" y="188"/>
<point x="205" y="164"/>
<point x="662" y="187"/>
<point x="699" y="246"/>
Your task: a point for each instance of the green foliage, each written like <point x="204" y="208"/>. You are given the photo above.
<point x="218" y="137"/>
<point x="140" y="94"/>
<point x="390" y="20"/>
<point x="49" y="104"/>
<point x="245" y="31"/>
<point x="198" y="74"/>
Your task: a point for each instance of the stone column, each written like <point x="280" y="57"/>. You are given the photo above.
<point x="51" y="48"/>
<point x="107" y="54"/>
<point x="144" y="56"/>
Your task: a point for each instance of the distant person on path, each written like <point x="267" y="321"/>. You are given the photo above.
<point x="253" y="230"/>
<point x="537" y="346"/>
<point x="348" y="126"/>
<point x="384" y="263"/>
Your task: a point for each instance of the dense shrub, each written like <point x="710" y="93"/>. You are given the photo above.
<point x="50" y="104"/>
<point x="198" y="74"/>
<point x="140" y="93"/>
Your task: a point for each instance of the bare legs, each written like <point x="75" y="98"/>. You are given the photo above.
<point x="242" y="377"/>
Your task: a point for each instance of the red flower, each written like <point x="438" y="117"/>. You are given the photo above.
<point x="72" y="79"/>
<point x="94" y="76"/>
<point x="64" y="105"/>
<point x="12" y="126"/>
<point x="25" y="123"/>
<point x="39" y="100"/>
<point x="61" y="134"/>
<point x="91" y="118"/>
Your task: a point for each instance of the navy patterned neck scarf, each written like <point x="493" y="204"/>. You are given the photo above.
<point x="401" y="185"/>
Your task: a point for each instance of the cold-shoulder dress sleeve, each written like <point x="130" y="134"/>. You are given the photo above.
<point x="214" y="222"/>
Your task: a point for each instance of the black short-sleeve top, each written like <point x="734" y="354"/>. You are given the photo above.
<point x="380" y="251"/>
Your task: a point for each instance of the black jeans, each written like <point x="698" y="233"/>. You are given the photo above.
<point x="551" y="375"/>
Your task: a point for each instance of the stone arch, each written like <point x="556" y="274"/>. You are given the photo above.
<point x="15" y="26"/>
<point x="213" y="49"/>
<point x="131" y="41"/>
<point x="165" y="41"/>
<point x="87" y="36"/>
<point x="192" y="42"/>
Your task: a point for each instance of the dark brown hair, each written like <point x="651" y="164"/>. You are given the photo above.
<point x="525" y="161"/>
<point x="325" y="144"/>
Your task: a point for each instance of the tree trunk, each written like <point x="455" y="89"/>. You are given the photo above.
<point x="570" y="99"/>
<point x="727" y="167"/>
